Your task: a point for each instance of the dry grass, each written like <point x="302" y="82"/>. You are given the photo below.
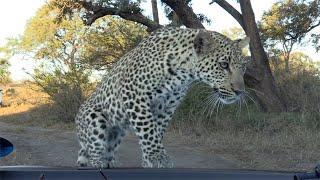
<point x="260" y="150"/>
<point x="255" y="140"/>
<point x="26" y="94"/>
<point x="25" y="104"/>
<point x="252" y="139"/>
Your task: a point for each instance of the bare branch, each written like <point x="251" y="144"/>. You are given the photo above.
<point x="155" y="11"/>
<point x="312" y="27"/>
<point x="231" y="10"/>
<point x="185" y="13"/>
<point x="130" y="13"/>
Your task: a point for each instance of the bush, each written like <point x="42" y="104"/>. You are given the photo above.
<point x="67" y="90"/>
<point x="300" y="90"/>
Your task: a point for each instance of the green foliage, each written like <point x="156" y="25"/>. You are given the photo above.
<point x="287" y="23"/>
<point x="72" y="43"/>
<point x="234" y="33"/>
<point x="57" y="46"/>
<point x="108" y="39"/>
<point x="300" y="90"/>
<point x="67" y="90"/>
<point x="6" y="52"/>
<point x="299" y="61"/>
<point x="69" y="52"/>
<point x="4" y="73"/>
<point x="290" y="20"/>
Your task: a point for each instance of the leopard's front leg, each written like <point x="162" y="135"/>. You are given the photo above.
<point x="153" y="153"/>
<point x="164" y="105"/>
<point x="150" y="139"/>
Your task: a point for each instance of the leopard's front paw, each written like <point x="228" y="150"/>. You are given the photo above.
<point x="103" y="163"/>
<point x="158" y="160"/>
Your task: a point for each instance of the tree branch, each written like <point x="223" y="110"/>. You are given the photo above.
<point x="155" y="13"/>
<point x="185" y="13"/>
<point x="312" y="27"/>
<point x="130" y="13"/>
<point x="231" y="10"/>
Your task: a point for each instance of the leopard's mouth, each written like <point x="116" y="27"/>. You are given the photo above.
<point x="226" y="98"/>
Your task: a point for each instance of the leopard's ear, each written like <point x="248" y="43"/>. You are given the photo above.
<point x="242" y="43"/>
<point x="203" y="42"/>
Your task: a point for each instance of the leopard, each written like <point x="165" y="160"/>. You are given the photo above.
<point x="145" y="86"/>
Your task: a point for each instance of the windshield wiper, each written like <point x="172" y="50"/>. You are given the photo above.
<point x="104" y="176"/>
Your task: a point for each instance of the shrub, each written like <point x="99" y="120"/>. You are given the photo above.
<point x="300" y="90"/>
<point x="67" y="90"/>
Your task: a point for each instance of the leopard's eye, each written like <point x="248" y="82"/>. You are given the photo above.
<point x="224" y="65"/>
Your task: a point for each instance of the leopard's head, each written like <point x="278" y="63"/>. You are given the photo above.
<point x="221" y="64"/>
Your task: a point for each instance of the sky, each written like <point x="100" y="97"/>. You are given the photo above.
<point x="25" y="9"/>
<point x="14" y="14"/>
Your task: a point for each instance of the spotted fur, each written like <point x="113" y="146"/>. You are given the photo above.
<point x="146" y="85"/>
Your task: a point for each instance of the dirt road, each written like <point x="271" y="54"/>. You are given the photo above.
<point x="54" y="147"/>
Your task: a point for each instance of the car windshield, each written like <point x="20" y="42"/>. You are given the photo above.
<point x="197" y="84"/>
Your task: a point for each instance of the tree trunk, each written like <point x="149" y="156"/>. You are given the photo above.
<point x="175" y="20"/>
<point x="155" y="11"/>
<point x="287" y="48"/>
<point x="286" y="63"/>
<point x="264" y="83"/>
<point x="258" y="77"/>
<point x="185" y="13"/>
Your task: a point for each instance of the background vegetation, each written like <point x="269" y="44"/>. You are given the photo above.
<point x="275" y="126"/>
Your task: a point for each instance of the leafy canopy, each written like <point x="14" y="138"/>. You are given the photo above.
<point x="69" y="51"/>
<point x="290" y="20"/>
<point x="288" y="23"/>
<point x="71" y="43"/>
